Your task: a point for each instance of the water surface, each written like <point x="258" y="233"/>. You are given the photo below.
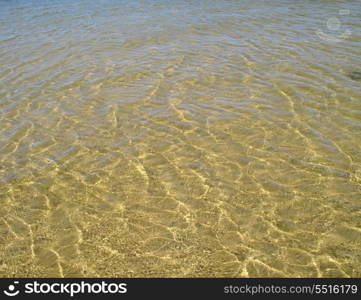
<point x="180" y="138"/>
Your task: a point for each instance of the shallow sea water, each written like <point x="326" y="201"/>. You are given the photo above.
<point x="180" y="138"/>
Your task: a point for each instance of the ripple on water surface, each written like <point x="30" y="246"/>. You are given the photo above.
<point x="172" y="138"/>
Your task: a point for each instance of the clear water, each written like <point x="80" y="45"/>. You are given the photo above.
<point x="180" y="138"/>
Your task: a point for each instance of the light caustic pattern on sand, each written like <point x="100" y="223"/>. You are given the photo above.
<point x="173" y="138"/>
